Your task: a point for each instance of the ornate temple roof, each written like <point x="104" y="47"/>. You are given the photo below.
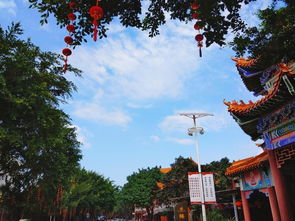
<point x="279" y="91"/>
<point x="251" y="71"/>
<point x="245" y="165"/>
<point x="165" y="170"/>
<point x="160" y="185"/>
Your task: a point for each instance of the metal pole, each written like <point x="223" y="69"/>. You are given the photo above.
<point x="200" y="172"/>
<point x="194" y="116"/>
<point x="235" y="207"/>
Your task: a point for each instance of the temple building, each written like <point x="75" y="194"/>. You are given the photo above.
<point x="267" y="181"/>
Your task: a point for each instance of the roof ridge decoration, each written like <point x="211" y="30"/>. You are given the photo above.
<point x="288" y="67"/>
<point x="242" y="107"/>
<point x="243" y="62"/>
<point x="165" y="170"/>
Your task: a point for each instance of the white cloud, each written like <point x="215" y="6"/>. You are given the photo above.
<point x="99" y="114"/>
<point x="177" y="123"/>
<point x="180" y="141"/>
<point x="139" y="67"/>
<point x="174" y="123"/>
<point x="128" y="71"/>
<point x="99" y="94"/>
<point x="115" y="29"/>
<point x="155" y="138"/>
<point x="9" y="6"/>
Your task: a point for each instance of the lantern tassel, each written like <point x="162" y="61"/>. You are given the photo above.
<point x="95" y="30"/>
<point x="65" y="65"/>
<point x="200" y="52"/>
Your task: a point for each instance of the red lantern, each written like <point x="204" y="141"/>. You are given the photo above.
<point x="96" y="13"/>
<point x="71" y="16"/>
<point x="70" y="28"/>
<point x="195" y="15"/>
<point x="68" y="40"/>
<point x="73" y="5"/>
<point x="194" y="6"/>
<point x="197" y="27"/>
<point x="238" y="203"/>
<point x="66" y="52"/>
<point x="199" y="37"/>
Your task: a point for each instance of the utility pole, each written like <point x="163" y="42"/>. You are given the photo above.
<point x="194" y="131"/>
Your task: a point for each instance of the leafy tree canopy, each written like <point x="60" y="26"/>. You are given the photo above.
<point x="89" y="191"/>
<point x="218" y="168"/>
<point x="140" y="189"/>
<point x="176" y="181"/>
<point x="273" y="38"/>
<point x="38" y="145"/>
<point x="130" y="13"/>
<point x="272" y="41"/>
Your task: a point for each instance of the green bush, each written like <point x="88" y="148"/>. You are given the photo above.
<point x="215" y="215"/>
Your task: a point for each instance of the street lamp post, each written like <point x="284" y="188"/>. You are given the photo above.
<point x="194" y="131"/>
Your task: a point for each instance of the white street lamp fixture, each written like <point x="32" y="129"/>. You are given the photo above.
<point x="194" y="131"/>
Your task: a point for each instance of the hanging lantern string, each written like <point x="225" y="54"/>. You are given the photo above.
<point x="96" y="13"/>
<point x="199" y="37"/>
<point x="200" y="45"/>
<point x="68" y="39"/>
<point x="65" y="64"/>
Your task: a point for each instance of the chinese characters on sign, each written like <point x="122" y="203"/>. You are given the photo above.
<point x="194" y="179"/>
<point x="194" y="187"/>
<point x="209" y="189"/>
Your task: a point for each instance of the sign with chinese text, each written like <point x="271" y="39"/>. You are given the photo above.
<point x="194" y="180"/>
<point x="280" y="136"/>
<point x="209" y="189"/>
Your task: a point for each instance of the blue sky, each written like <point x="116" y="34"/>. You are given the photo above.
<point x="133" y="87"/>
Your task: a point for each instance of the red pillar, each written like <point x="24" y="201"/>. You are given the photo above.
<point x="246" y="209"/>
<point x="273" y="204"/>
<point x="280" y="190"/>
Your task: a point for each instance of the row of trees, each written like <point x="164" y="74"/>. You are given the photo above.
<point x="141" y="189"/>
<point x="40" y="154"/>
